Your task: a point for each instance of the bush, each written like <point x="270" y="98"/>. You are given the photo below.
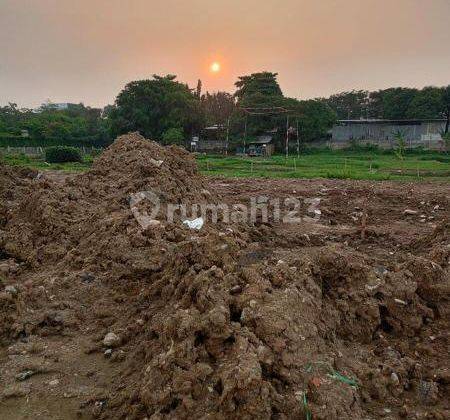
<point x="446" y="138"/>
<point x="173" y="136"/>
<point x="61" y="154"/>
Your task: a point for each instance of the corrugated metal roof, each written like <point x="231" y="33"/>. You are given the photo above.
<point x="381" y="121"/>
<point x="261" y="140"/>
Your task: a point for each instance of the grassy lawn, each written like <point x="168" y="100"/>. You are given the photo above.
<point x="337" y="164"/>
<point x="40" y="164"/>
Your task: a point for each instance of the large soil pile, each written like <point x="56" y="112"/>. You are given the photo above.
<point x="225" y="322"/>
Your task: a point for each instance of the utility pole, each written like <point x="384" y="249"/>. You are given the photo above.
<point x="245" y="135"/>
<point x="298" y="142"/>
<point x="228" y="134"/>
<point x="287" y="136"/>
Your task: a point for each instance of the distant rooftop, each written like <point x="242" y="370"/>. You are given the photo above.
<point x="264" y="139"/>
<point x="401" y="122"/>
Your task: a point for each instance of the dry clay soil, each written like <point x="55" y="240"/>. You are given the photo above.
<point x="341" y="314"/>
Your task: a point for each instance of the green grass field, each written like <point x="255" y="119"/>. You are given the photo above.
<point x="337" y="164"/>
<point x="333" y="164"/>
<point x="40" y="164"/>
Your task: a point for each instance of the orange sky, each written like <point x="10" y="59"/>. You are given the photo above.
<point x="87" y="50"/>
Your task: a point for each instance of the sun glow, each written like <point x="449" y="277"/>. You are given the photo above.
<point x="215" y="67"/>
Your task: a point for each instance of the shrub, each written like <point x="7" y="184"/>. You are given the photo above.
<point x="173" y="136"/>
<point x="446" y="139"/>
<point x="61" y="154"/>
<point x="401" y="146"/>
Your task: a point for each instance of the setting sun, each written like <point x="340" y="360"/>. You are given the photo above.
<point x="215" y="67"/>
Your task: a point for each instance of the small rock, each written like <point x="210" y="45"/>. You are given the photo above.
<point x="108" y="353"/>
<point x="111" y="340"/>
<point x="140" y="322"/>
<point x="118" y="356"/>
<point x="380" y="271"/>
<point x="206" y="193"/>
<point x="153" y="223"/>
<point x="53" y="383"/>
<point x="262" y="199"/>
<point x="87" y="277"/>
<point x="428" y="391"/>
<point x="13" y="392"/>
<point x="394" y="378"/>
<point x="236" y="290"/>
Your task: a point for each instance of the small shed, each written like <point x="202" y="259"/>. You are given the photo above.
<point x="212" y="139"/>
<point x="261" y="146"/>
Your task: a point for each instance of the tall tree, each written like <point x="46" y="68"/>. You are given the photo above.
<point x="314" y="118"/>
<point x="350" y="105"/>
<point x="261" y="84"/>
<point x="154" y="106"/>
<point x="446" y="107"/>
<point x="198" y="91"/>
<point x="426" y="103"/>
<point x="217" y="107"/>
<point x="396" y="102"/>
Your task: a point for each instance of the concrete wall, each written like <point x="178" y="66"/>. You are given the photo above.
<point x="425" y="134"/>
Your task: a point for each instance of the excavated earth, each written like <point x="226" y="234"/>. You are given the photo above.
<point x="109" y="311"/>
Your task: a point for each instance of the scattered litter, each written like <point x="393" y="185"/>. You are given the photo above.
<point x="308" y="413"/>
<point x="22" y="376"/>
<point x="344" y="379"/>
<point x="410" y="212"/>
<point x="11" y="290"/>
<point x="157" y="163"/>
<point x="195" y="224"/>
<point x="401" y="302"/>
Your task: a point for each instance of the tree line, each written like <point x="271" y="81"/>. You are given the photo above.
<point x="393" y="104"/>
<point x="163" y="108"/>
<point x="169" y="111"/>
<point x="76" y="125"/>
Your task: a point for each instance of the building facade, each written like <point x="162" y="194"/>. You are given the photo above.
<point x="417" y="133"/>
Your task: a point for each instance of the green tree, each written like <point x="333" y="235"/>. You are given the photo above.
<point x="259" y="84"/>
<point x="173" y="136"/>
<point x="315" y="120"/>
<point x="217" y="107"/>
<point x="445" y="112"/>
<point x="396" y="102"/>
<point x="256" y="95"/>
<point x="154" y="106"/>
<point x="426" y="104"/>
<point x="350" y="105"/>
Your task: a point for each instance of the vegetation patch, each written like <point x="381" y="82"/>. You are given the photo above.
<point x="62" y="154"/>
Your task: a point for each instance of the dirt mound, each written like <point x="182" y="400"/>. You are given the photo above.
<point x="229" y="321"/>
<point x="87" y="220"/>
